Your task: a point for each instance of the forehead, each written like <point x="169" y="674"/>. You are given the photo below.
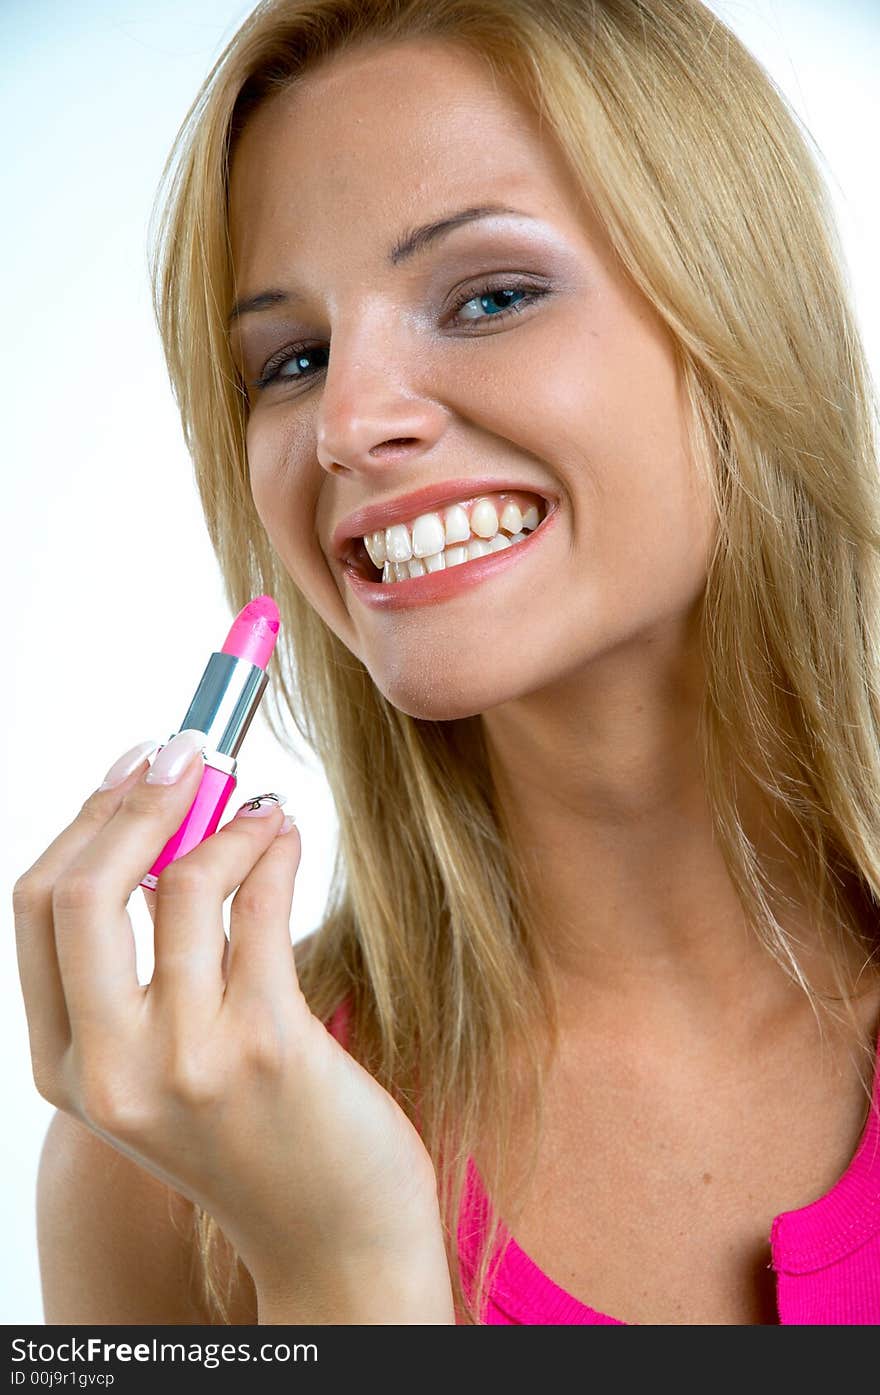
<point x="373" y="141"/>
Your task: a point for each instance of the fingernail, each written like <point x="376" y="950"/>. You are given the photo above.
<point x="287" y="824"/>
<point x="260" y="805"/>
<point x="174" y="757"/>
<point x="122" y="768"/>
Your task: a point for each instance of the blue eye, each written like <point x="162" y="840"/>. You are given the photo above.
<point x="301" y="354"/>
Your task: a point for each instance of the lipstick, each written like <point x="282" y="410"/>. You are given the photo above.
<point x="223" y="707"/>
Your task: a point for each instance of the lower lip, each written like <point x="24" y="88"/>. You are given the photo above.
<point x="451" y="581"/>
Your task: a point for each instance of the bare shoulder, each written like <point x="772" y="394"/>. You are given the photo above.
<point x="115" y="1244"/>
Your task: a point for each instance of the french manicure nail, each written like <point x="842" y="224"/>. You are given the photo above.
<point x="127" y="764"/>
<point x="286" y="825"/>
<point x="260" y="805"/>
<point x="174" y="758"/>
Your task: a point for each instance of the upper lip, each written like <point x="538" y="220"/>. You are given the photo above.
<point x="384" y="514"/>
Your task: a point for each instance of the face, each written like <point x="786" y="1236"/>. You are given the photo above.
<point x="505" y="359"/>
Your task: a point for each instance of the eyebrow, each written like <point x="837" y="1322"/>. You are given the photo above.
<point x="410" y="244"/>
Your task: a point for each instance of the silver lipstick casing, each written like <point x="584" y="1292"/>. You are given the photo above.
<point x="223" y="707"/>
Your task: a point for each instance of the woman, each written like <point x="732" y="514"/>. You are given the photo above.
<point x="602" y="943"/>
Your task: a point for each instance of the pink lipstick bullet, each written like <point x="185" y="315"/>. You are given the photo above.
<point x="223" y="707"/>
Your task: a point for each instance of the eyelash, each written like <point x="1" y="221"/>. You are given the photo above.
<point x="533" y="293"/>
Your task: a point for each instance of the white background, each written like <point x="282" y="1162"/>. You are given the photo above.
<point x="100" y="513"/>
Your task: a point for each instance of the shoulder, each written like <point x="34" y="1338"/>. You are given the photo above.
<point x="116" y="1245"/>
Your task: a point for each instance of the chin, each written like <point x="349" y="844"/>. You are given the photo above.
<point x="434" y="696"/>
<point x="432" y="699"/>
<point x="431" y="706"/>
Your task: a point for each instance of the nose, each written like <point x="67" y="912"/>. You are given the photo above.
<point x="369" y="415"/>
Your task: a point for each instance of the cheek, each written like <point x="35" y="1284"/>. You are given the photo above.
<point x="282" y="499"/>
<point x="646" y="511"/>
<point x="271" y="491"/>
<point x="535" y="390"/>
<point x="285" y="484"/>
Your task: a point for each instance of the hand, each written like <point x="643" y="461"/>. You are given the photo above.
<point x="215" y="1077"/>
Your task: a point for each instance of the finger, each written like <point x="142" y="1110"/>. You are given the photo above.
<point x="38" y="967"/>
<point x="93" y="934"/>
<point x="44" y="1002"/>
<point x="97" y="811"/>
<point x="151" y="900"/>
<point x="261" y="961"/>
<point x="189" y="940"/>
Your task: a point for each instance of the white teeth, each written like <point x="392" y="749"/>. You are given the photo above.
<point x="375" y="545"/>
<point x="455" y="556"/>
<point x="512" y="519"/>
<point x="477" y="547"/>
<point x="428" y="536"/>
<point x="484" y="519"/>
<point x="430" y="533"/>
<point x="450" y="557"/>
<point x="499" y="542"/>
<point x="397" y="543"/>
<point x="458" y="529"/>
<point x="448" y="537"/>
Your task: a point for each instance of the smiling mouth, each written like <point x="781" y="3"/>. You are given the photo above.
<point x="449" y="537"/>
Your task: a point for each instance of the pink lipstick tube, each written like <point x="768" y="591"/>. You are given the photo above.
<point x="223" y="707"/>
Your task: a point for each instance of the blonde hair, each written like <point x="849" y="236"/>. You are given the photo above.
<point x="719" y="214"/>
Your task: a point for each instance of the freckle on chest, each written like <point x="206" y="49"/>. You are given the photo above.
<point x="707" y="1177"/>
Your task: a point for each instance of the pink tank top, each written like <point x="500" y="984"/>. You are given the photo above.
<point x="826" y="1255"/>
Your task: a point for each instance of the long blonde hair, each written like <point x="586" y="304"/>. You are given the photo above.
<point x="717" y="210"/>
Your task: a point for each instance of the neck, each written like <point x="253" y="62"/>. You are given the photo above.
<point x="602" y="791"/>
